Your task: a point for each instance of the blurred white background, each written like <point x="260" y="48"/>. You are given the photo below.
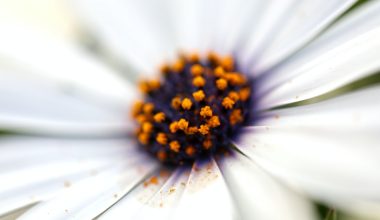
<point x="46" y="15"/>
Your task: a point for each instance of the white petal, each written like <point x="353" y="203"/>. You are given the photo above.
<point x="355" y="110"/>
<point x="268" y="19"/>
<point x="257" y="194"/>
<point x="206" y="195"/>
<point x="344" y="53"/>
<point x="35" y="169"/>
<point x="33" y="52"/>
<point x="235" y="21"/>
<point x="329" y="150"/>
<point x="196" y="23"/>
<point x="140" y="33"/>
<point x="92" y="197"/>
<point x="138" y="200"/>
<point x="34" y="104"/>
<point x="300" y="23"/>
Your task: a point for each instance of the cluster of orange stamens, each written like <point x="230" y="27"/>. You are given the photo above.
<point x="194" y="109"/>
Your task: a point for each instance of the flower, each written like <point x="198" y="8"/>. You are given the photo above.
<point x="70" y="146"/>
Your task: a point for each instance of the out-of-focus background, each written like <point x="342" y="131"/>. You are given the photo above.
<point x="51" y="16"/>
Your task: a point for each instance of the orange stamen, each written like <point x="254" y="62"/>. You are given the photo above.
<point x="186" y="103"/>
<point x="204" y="129"/>
<point x="206" y="112"/>
<point x="199" y="95"/>
<point x="161" y="138"/>
<point x="174" y="146"/>
<point x="199" y="81"/>
<point x="228" y="103"/>
<point x="159" y="117"/>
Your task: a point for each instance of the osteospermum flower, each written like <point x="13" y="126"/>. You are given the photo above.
<point x="249" y="121"/>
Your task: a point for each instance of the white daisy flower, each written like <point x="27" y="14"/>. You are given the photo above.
<point x="258" y="129"/>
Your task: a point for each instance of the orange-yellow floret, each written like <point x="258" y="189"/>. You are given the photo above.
<point x="173" y="127"/>
<point x="148" y="108"/>
<point x="161" y="155"/>
<point x="204" y="129"/>
<point x="154" y="84"/>
<point x="213" y="57"/>
<point x="176" y="103"/>
<point x="235" y="78"/>
<point x="191" y="130"/>
<point x="190" y="150"/>
<point x="143" y="138"/>
<point x="207" y="144"/>
<point x="196" y="70"/>
<point x="178" y="66"/>
<point x="174" y="146"/>
<point x="161" y="138"/>
<point x="141" y="119"/>
<point x="199" y="81"/>
<point x="159" y="117"/>
<point x="147" y="127"/>
<point x="213" y="121"/>
<point x="199" y="95"/>
<point x="186" y="104"/>
<point x="183" y="124"/>
<point x="228" y="103"/>
<point x="244" y="94"/>
<point x="221" y="84"/>
<point x="234" y="96"/>
<point x="144" y="87"/>
<point x="236" y="117"/>
<point x="219" y="71"/>
<point x="136" y="108"/>
<point x="206" y="112"/>
<point x="165" y="68"/>
<point x="227" y="63"/>
<point x="194" y="57"/>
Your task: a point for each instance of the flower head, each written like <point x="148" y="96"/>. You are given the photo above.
<point x="185" y="113"/>
<point x="258" y="128"/>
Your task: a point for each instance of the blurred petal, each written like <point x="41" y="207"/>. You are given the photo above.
<point x="329" y="149"/>
<point x="236" y="20"/>
<point x="206" y="195"/>
<point x="344" y="53"/>
<point x="195" y="23"/>
<point x="47" y="167"/>
<point x="351" y="111"/>
<point x="29" y="51"/>
<point x="139" y="32"/>
<point x="37" y="105"/>
<point x="257" y="194"/>
<point x="299" y="24"/>
<point x="94" y="198"/>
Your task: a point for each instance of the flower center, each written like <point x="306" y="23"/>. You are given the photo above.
<point x="194" y="110"/>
